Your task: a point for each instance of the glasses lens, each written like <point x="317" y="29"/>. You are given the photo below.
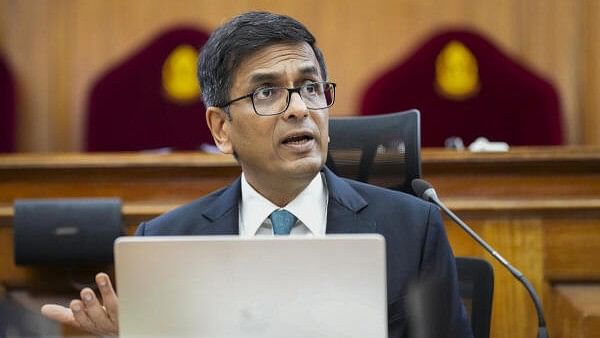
<point x="329" y="92"/>
<point x="317" y="95"/>
<point x="274" y="100"/>
<point x="270" y="101"/>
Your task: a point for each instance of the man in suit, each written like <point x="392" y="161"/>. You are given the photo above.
<point x="264" y="82"/>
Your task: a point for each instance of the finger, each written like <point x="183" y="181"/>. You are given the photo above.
<point x="95" y="312"/>
<point x="60" y="314"/>
<point x="81" y="316"/>
<point x="109" y="297"/>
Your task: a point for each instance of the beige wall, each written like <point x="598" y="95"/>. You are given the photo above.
<point x="57" y="48"/>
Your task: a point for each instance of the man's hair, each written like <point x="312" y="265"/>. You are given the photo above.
<point x="238" y="39"/>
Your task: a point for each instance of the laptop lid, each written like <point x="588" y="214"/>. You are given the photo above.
<point x="227" y="286"/>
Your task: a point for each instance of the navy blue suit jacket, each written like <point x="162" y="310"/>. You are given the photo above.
<point x="416" y="242"/>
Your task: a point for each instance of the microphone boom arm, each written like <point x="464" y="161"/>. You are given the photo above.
<point x="518" y="275"/>
<point x="426" y="191"/>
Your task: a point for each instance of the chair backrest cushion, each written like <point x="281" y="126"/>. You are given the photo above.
<point x="383" y="150"/>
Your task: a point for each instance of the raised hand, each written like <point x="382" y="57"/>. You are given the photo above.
<point x="88" y="313"/>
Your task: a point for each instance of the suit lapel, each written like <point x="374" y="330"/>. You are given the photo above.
<point x="344" y="208"/>
<point x="223" y="213"/>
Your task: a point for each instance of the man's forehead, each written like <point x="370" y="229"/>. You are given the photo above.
<point x="275" y="61"/>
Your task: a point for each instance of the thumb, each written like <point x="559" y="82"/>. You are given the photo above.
<point x="59" y="313"/>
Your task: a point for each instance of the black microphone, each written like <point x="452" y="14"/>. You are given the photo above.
<point x="424" y="190"/>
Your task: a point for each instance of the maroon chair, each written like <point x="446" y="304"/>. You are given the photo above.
<point x="130" y="108"/>
<point x="7" y="108"/>
<point x="466" y="87"/>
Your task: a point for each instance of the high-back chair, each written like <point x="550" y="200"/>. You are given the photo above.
<point x="7" y="108"/>
<point x="467" y="87"/>
<point x="476" y="282"/>
<point x="385" y="150"/>
<point x="152" y="99"/>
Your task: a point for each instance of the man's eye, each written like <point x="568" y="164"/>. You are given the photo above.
<point x="311" y="88"/>
<point x="263" y="93"/>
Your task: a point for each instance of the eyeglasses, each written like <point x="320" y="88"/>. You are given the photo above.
<point x="275" y="100"/>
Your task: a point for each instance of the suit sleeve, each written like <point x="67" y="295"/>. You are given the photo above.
<point x="141" y="230"/>
<point x="438" y="272"/>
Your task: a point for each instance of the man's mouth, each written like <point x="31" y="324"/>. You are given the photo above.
<point x="298" y="139"/>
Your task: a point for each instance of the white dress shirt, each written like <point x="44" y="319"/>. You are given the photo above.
<point x="310" y="207"/>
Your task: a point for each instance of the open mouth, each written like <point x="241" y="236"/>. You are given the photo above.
<point x="298" y="139"/>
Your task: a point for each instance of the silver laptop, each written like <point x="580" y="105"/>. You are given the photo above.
<point x="227" y="286"/>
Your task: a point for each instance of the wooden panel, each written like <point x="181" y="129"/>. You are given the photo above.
<point x="571" y="248"/>
<point x="28" y="50"/>
<point x="519" y="241"/>
<point x="546" y="244"/>
<point x="59" y="48"/>
<point x="590" y="69"/>
<point x="575" y="311"/>
<point x="554" y="27"/>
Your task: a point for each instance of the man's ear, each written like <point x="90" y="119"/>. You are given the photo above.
<point x="219" y="124"/>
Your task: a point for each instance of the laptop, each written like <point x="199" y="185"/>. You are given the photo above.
<point x="227" y="286"/>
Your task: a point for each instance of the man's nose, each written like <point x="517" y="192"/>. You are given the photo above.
<point x="297" y="108"/>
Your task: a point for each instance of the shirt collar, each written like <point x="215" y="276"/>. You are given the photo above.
<point x="310" y="207"/>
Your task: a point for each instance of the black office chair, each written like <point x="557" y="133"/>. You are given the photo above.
<point x="476" y="279"/>
<point x="383" y="150"/>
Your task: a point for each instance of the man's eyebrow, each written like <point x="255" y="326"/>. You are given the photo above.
<point x="258" y="78"/>
<point x="263" y="77"/>
<point x="309" y="70"/>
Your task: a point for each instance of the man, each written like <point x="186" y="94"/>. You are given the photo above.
<point x="264" y="82"/>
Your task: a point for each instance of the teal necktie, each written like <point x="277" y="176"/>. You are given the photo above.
<point x="283" y="221"/>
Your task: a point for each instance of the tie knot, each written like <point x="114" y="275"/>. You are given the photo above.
<point x="283" y="221"/>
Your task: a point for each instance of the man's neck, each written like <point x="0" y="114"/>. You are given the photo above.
<point x="279" y="191"/>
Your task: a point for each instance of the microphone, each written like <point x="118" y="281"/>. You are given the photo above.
<point x="425" y="190"/>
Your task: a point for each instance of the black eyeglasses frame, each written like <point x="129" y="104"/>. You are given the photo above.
<point x="289" y="98"/>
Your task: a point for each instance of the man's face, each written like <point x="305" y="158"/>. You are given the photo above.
<point x="288" y="146"/>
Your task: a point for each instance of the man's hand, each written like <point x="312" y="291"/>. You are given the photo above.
<point x="87" y="313"/>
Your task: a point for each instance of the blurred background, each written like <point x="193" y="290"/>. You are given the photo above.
<point x="56" y="50"/>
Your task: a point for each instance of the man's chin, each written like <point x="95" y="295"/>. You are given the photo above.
<point x="305" y="167"/>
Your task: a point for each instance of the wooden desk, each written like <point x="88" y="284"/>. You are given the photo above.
<point x="150" y="183"/>
<point x="540" y="207"/>
<point x="543" y="173"/>
<point x="137" y="178"/>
